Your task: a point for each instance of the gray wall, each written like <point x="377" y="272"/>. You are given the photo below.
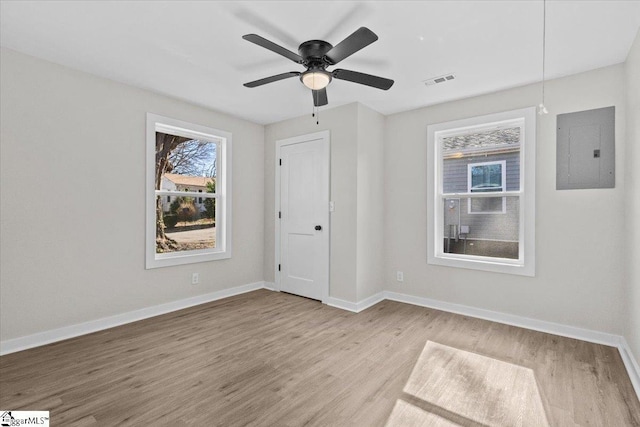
<point x="579" y="278"/>
<point x="632" y="213"/>
<point x="370" y="207"/>
<point x="357" y="179"/>
<point x="72" y="199"/>
<point x="62" y="132"/>
<point x="342" y="122"/>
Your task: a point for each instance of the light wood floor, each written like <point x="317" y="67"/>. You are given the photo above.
<point x="273" y="359"/>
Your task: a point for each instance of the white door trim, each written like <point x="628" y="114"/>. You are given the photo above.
<point x="325" y="136"/>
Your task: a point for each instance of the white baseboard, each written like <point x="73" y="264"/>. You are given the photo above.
<point x="371" y="301"/>
<point x="633" y="369"/>
<point x="59" y="334"/>
<point x="54" y="335"/>
<point x="537" y="325"/>
<point x="355" y="307"/>
<point x="509" y="319"/>
<point x="341" y="304"/>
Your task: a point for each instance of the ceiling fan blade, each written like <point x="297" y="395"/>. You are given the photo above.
<point x="320" y="97"/>
<point x="272" y="79"/>
<point x="362" y="78"/>
<point x="360" y="38"/>
<point x="261" y="41"/>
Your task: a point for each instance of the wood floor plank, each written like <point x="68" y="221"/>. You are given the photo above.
<point x="266" y="358"/>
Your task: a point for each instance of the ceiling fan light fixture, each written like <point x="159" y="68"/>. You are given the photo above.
<point x="316" y="80"/>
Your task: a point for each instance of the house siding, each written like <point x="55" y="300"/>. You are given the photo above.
<point x="167" y="184"/>
<point x="489" y="226"/>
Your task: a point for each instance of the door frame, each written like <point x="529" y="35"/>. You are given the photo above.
<point x="325" y="136"/>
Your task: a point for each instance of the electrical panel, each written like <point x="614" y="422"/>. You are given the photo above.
<point x="586" y="149"/>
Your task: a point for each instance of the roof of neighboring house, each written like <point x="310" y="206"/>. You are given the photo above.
<point x="499" y="138"/>
<point x="197" y="181"/>
<point x="496" y="141"/>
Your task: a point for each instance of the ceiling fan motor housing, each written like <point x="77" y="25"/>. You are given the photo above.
<point x="313" y="52"/>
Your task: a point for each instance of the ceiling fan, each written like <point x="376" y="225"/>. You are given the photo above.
<point x="316" y="56"/>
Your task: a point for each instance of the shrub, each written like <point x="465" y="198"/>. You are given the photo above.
<point x="187" y="211"/>
<point x="210" y="204"/>
<point x="175" y="205"/>
<point x="210" y="208"/>
<point x="170" y="220"/>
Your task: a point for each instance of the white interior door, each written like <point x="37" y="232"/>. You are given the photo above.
<point x="303" y="163"/>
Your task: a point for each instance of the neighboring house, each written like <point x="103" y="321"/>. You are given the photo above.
<point x="482" y="162"/>
<point x="176" y="182"/>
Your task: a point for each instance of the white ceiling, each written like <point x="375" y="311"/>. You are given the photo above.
<point x="193" y="50"/>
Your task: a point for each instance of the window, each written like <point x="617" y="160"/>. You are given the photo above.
<point x="471" y="161"/>
<point x="487" y="177"/>
<point x="188" y="193"/>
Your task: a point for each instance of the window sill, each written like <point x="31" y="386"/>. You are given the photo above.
<point x="496" y="265"/>
<point x="191" y="257"/>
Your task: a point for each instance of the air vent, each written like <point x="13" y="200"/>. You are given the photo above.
<point x="439" y="79"/>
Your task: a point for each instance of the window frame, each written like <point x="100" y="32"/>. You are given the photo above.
<point x="223" y="141"/>
<point x="525" y="264"/>
<point x="503" y="186"/>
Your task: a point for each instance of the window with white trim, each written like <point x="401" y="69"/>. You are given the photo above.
<point x="188" y="193"/>
<point x="471" y="161"/>
<point x="487" y="177"/>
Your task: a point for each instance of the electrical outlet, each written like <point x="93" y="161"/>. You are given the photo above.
<point x="195" y="278"/>
<point x="399" y="276"/>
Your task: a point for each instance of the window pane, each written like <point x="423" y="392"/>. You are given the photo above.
<point x="474" y="162"/>
<point x="185" y="224"/>
<point x="483" y="178"/>
<point x="479" y="162"/>
<point x="486" y="177"/>
<point x="188" y="193"/>
<point x="481" y="235"/>
<point x="487" y="205"/>
<point x="184" y="164"/>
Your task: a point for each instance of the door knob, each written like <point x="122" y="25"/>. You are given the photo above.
<point x="318" y="227"/>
